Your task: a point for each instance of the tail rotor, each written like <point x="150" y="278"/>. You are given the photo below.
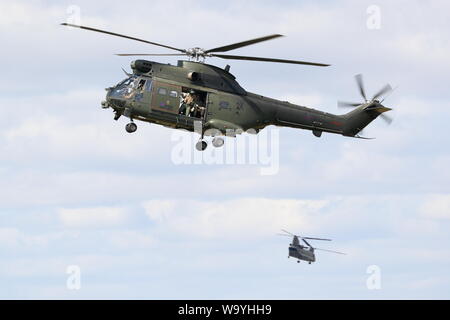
<point x="372" y="104"/>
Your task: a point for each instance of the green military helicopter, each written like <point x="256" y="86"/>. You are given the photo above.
<point x="305" y="253"/>
<point x="206" y="99"/>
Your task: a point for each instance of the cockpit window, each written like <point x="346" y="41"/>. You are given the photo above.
<point x="126" y="82"/>
<point x="127" y="87"/>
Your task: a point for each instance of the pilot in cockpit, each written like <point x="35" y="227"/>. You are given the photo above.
<point x="130" y="90"/>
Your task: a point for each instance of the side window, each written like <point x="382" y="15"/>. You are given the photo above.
<point x="173" y="94"/>
<point x="162" y="91"/>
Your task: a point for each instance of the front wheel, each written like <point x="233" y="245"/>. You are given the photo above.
<point x="201" y="145"/>
<point x="131" y="127"/>
<point x="218" y="142"/>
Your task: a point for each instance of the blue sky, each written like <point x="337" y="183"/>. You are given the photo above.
<point x="76" y="189"/>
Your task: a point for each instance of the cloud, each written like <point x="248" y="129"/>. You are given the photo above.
<point x="130" y="239"/>
<point x="14" y="238"/>
<point x="242" y="218"/>
<point x="93" y="217"/>
<point x="436" y="206"/>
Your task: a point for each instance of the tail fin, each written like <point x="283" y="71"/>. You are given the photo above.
<point x="358" y="119"/>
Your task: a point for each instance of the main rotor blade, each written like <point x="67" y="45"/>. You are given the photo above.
<point x="288" y="232"/>
<point x="386" y="118"/>
<point x="329" y="251"/>
<point x="232" y="57"/>
<point x="149" y="54"/>
<point x="309" y="238"/>
<point x="243" y="43"/>
<point x="359" y="81"/>
<point x="307" y="243"/>
<point x="283" y="234"/>
<point x="387" y="88"/>
<point x="343" y="104"/>
<point x="122" y="36"/>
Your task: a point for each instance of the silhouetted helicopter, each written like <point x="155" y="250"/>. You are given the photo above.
<point x="206" y="99"/>
<point x="300" y="252"/>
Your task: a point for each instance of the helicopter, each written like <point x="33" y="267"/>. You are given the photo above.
<point x="206" y="99"/>
<point x="306" y="253"/>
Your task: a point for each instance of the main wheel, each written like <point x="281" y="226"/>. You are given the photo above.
<point x="131" y="127"/>
<point x="218" y="142"/>
<point x="201" y="145"/>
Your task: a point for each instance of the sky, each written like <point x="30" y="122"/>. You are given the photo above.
<point x="88" y="211"/>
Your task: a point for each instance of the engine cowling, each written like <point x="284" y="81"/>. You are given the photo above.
<point x="141" y="66"/>
<point x="193" y="76"/>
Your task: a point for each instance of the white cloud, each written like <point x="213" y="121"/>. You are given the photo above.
<point x="436" y="206"/>
<point x="130" y="239"/>
<point x="17" y="239"/>
<point x="239" y="218"/>
<point x="93" y="217"/>
<point x="365" y="216"/>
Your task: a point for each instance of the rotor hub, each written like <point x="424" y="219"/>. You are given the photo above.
<point x="196" y="53"/>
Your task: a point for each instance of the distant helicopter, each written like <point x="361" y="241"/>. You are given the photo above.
<point x="203" y="98"/>
<point x="306" y="253"/>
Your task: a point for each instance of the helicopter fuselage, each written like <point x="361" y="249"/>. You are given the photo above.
<point x="302" y="253"/>
<point x="155" y="92"/>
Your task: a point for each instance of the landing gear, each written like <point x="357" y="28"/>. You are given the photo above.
<point x="131" y="127"/>
<point x="218" y="142"/>
<point x="201" y="145"/>
<point x="117" y="115"/>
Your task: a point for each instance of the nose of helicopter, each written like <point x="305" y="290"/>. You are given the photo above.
<point x="107" y="102"/>
<point x="114" y="98"/>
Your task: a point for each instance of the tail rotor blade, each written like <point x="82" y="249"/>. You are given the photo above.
<point x="344" y="104"/>
<point x="387" y="88"/>
<point x="386" y="118"/>
<point x="359" y="81"/>
<point x="389" y="93"/>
